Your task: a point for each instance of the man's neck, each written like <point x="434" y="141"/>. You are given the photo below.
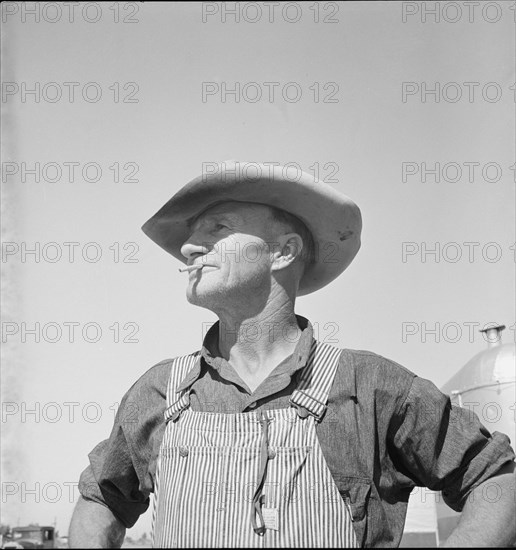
<point x="254" y="346"/>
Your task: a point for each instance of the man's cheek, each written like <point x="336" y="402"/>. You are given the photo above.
<point x="252" y="253"/>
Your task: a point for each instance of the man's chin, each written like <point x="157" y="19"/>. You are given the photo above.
<point x="207" y="300"/>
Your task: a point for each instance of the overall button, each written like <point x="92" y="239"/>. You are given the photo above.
<point x="272" y="453"/>
<point x="183" y="451"/>
<point x="252" y="405"/>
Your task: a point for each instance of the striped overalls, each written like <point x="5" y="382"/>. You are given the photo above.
<point x="251" y="479"/>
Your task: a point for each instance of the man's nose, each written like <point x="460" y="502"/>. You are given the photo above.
<point x="192" y="248"/>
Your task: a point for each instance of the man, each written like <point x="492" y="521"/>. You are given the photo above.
<point x="266" y="437"/>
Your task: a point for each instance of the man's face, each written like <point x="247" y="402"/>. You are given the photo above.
<point x="230" y="241"/>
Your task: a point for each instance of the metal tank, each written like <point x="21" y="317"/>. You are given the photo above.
<point x="486" y="385"/>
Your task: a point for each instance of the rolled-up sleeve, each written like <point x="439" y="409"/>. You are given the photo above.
<point x="444" y="447"/>
<point x="111" y="480"/>
<point x="121" y="468"/>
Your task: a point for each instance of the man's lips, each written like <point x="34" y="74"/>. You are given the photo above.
<point x="202" y="267"/>
<point x="190" y="268"/>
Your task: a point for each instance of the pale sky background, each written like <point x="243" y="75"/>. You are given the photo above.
<point x="169" y="133"/>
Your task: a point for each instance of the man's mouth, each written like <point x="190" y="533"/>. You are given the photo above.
<point x="190" y="268"/>
<point x="195" y="268"/>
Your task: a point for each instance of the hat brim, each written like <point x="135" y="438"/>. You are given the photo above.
<point x="333" y="218"/>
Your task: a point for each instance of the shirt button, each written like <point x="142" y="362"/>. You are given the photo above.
<point x="272" y="453"/>
<point x="183" y="451"/>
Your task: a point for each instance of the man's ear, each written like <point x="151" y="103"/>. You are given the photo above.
<point x="288" y="248"/>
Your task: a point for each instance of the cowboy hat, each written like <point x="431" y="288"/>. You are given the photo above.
<point x="333" y="219"/>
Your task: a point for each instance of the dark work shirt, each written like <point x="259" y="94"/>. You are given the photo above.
<point x="386" y="431"/>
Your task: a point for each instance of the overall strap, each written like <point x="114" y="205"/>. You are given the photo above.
<point x="316" y="381"/>
<point x="178" y="402"/>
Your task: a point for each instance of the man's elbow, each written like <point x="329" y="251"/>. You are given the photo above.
<point x="95" y="526"/>
<point x="498" y="496"/>
<point x="500" y="487"/>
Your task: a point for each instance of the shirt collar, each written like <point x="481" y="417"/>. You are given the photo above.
<point x="209" y="353"/>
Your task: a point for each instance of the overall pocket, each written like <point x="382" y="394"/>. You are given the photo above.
<point x="356" y="492"/>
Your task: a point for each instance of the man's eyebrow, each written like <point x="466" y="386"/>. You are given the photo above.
<point x="229" y="216"/>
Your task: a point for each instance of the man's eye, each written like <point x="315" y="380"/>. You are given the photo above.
<point x="220" y="226"/>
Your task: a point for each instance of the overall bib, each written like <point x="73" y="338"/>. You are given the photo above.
<point x="251" y="479"/>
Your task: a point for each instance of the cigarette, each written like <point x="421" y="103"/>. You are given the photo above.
<point x="190" y="268"/>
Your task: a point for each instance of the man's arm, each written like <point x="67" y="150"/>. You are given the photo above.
<point x="488" y="515"/>
<point x="94" y="526"/>
<point x="446" y="448"/>
<point x="116" y="486"/>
